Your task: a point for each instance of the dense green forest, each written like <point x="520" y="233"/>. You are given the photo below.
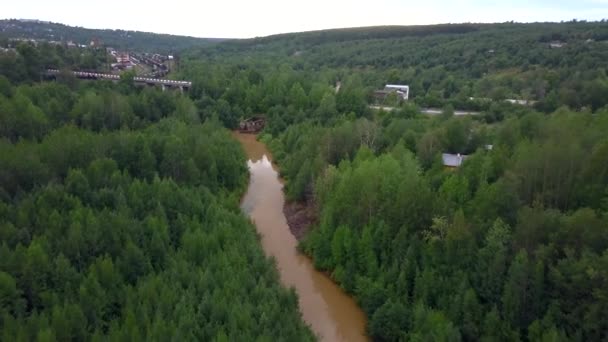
<point x="119" y="220"/>
<point x="118" y="39"/>
<point x="512" y="245"/>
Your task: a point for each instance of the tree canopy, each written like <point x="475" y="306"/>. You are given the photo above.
<point x="119" y="220"/>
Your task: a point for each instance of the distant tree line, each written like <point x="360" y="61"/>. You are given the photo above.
<point x="118" y="39"/>
<point x="458" y="65"/>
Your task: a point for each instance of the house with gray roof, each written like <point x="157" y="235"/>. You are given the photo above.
<point x="453" y="160"/>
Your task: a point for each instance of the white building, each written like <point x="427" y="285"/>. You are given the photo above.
<point x="402" y="90"/>
<point x="453" y="160"/>
<point x="521" y="102"/>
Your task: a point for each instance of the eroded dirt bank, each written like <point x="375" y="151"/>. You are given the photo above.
<point x="300" y="217"/>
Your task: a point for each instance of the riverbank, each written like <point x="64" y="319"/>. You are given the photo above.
<point x="331" y="313"/>
<point x="300" y="217"/>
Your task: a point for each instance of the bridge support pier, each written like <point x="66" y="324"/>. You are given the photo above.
<point x="162" y="86"/>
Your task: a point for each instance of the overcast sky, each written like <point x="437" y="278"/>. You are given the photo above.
<point x="250" y="18"/>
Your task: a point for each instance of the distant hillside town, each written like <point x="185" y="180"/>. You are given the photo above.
<point x="114" y="60"/>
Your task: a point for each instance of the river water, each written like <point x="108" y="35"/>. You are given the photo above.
<point x="331" y="313"/>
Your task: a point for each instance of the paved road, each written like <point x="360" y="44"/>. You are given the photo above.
<point x="429" y="111"/>
<point x="435" y="111"/>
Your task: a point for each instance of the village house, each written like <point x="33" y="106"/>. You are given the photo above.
<point x="123" y="61"/>
<point x="453" y="161"/>
<point x="402" y="92"/>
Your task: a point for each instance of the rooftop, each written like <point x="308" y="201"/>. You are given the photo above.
<point x="453" y="160"/>
<point x="397" y="86"/>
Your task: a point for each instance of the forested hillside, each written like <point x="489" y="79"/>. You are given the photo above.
<point x="118" y="39"/>
<point x="119" y="220"/>
<point x="445" y="64"/>
<point x="511" y="246"/>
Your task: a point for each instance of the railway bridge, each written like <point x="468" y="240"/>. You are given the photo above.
<point x="142" y="81"/>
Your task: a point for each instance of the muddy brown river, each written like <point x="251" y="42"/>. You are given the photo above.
<point x="331" y="313"/>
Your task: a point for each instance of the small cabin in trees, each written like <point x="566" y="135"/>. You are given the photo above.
<point x="453" y="161"/>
